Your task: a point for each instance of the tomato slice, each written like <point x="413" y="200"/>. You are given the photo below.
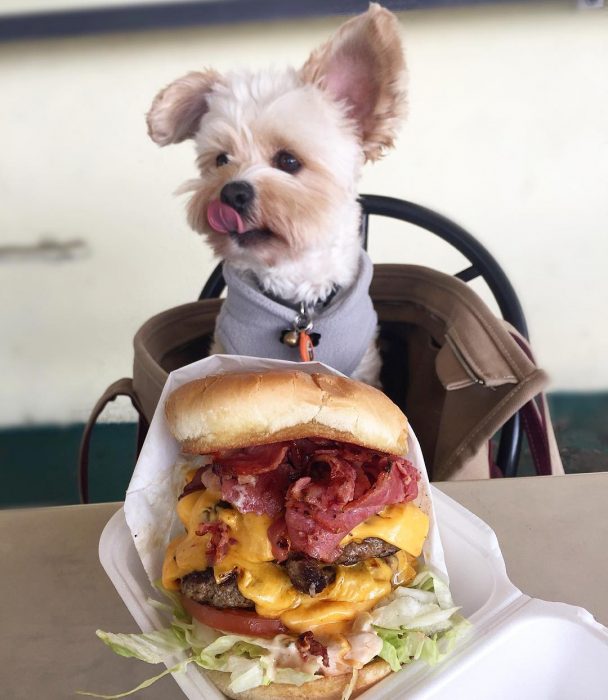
<point x="235" y="621"/>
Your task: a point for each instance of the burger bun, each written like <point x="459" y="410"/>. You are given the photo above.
<point x="244" y="409"/>
<point x="326" y="688"/>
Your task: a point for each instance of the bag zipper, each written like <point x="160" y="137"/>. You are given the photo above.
<point x="473" y="376"/>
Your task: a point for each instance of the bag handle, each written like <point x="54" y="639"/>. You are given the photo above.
<point x="538" y="429"/>
<point x="121" y="387"/>
<point x="534" y="422"/>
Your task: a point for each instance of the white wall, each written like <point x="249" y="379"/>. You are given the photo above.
<point x="508" y="135"/>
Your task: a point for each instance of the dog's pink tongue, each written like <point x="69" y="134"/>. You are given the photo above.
<point x="224" y="219"/>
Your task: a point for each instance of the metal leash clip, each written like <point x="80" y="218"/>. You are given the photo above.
<point x="301" y="336"/>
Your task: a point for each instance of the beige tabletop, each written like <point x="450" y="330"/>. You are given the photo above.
<point x="54" y="594"/>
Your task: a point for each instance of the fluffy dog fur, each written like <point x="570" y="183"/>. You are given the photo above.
<point x="341" y="109"/>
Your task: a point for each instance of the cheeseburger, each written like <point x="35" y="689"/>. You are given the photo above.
<point x="303" y="525"/>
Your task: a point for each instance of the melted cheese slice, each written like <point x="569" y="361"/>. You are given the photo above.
<point x="356" y="588"/>
<point x="403" y="525"/>
<point x="186" y="553"/>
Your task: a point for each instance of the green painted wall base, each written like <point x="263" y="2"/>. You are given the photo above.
<point x="39" y="464"/>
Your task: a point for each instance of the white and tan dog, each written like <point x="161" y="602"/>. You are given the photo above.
<point x="280" y="155"/>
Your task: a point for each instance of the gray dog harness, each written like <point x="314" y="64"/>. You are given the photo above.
<point x="253" y="324"/>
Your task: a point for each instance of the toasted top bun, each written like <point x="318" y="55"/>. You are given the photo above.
<point x="327" y="688"/>
<point x="245" y="409"/>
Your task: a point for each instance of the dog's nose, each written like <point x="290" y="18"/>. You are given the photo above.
<point x="238" y="195"/>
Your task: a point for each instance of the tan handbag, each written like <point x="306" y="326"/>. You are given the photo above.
<point x="459" y="372"/>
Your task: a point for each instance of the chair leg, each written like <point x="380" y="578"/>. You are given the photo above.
<point x="509" y="447"/>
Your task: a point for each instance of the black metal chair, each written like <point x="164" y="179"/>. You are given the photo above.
<point x="482" y="265"/>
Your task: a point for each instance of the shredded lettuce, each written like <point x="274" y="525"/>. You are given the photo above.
<point x="151" y="647"/>
<point x="175" y="608"/>
<point x="250" y="661"/>
<point x="238" y="643"/>
<point x="244" y="673"/>
<point x="253" y="661"/>
<point x="418" y="622"/>
<point x="178" y="668"/>
<point x="291" y="675"/>
<point x="348" y="690"/>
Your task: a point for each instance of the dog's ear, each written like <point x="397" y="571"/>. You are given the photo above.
<point x="363" y="64"/>
<point x="177" y="110"/>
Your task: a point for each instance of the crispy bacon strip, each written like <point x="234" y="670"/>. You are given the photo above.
<point x="258" y="493"/>
<point x="321" y="488"/>
<point x="195" y="484"/>
<point x="251" y="460"/>
<point x="318" y="517"/>
<point x="307" y="646"/>
<point x="279" y="539"/>
<point x="219" y="542"/>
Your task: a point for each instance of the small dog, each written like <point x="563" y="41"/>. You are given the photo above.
<point x="280" y="155"/>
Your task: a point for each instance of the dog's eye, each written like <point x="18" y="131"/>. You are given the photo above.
<point x="286" y="162"/>
<point x="222" y="159"/>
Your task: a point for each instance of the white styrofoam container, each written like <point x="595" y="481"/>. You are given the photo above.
<point x="518" y="646"/>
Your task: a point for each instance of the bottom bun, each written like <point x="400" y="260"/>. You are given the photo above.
<point x="327" y="688"/>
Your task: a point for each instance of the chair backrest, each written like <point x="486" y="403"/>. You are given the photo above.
<point x="458" y="371"/>
<point x="482" y="265"/>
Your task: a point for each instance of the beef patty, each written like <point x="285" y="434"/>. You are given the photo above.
<point x="309" y="575"/>
<point x="306" y="574"/>
<point x="202" y="587"/>
<point x="354" y="552"/>
<point x="312" y="576"/>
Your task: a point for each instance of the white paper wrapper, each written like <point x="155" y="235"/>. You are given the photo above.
<point x="155" y="485"/>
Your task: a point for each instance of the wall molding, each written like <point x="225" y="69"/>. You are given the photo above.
<point x="172" y="15"/>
